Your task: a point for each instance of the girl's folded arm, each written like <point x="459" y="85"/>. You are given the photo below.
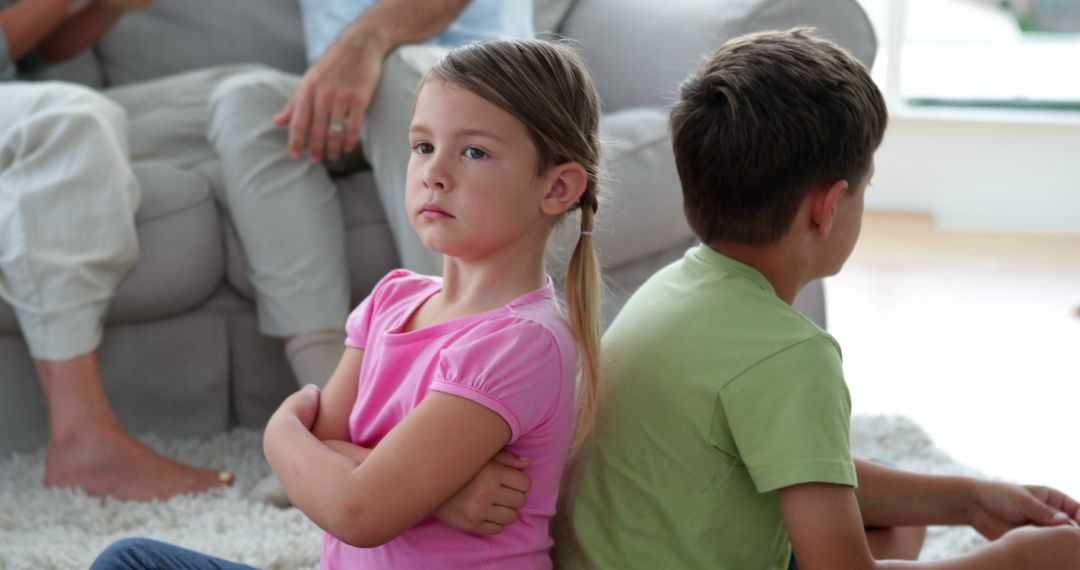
<point x="337" y="398"/>
<point x="420" y="464"/>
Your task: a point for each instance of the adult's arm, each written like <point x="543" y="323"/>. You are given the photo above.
<point x="81" y="29"/>
<point x="338" y="88"/>
<point x="25" y="24"/>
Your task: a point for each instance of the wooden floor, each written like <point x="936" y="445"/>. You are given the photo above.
<point x="975" y="336"/>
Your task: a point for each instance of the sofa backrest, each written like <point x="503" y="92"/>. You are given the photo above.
<point x="178" y="35"/>
<point x="639" y="51"/>
<point x="172" y="36"/>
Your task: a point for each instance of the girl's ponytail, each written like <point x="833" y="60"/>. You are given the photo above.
<point x="583" y="291"/>
<point x="547" y="87"/>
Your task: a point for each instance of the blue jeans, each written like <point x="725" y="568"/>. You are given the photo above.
<point x="146" y="554"/>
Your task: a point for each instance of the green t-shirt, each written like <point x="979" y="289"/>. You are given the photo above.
<point x="715" y="395"/>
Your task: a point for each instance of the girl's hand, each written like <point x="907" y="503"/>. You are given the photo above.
<point x="1001" y="507"/>
<point x="490" y="501"/>
<point x="302" y="405"/>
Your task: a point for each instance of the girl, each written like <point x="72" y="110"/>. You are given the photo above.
<point x="439" y="375"/>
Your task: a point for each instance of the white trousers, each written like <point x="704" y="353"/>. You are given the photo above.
<point x="68" y="196"/>
<point x="67" y="213"/>
<point x="286" y="211"/>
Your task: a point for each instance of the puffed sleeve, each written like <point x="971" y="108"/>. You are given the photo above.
<point x="515" y="370"/>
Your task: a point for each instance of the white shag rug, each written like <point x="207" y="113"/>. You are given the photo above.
<point x="63" y="529"/>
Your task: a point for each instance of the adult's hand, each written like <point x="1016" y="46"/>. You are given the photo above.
<point x="327" y="110"/>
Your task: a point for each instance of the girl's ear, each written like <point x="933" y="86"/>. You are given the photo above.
<point x="567" y="182"/>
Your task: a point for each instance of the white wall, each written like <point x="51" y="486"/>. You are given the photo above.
<point x="982" y="170"/>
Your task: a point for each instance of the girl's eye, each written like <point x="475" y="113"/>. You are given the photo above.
<point x="475" y="153"/>
<point x="423" y="148"/>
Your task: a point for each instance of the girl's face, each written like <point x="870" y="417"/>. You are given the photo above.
<point x="472" y="188"/>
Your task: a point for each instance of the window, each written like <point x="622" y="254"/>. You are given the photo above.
<point x="981" y="53"/>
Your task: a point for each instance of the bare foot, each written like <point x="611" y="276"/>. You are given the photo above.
<point x="110" y="462"/>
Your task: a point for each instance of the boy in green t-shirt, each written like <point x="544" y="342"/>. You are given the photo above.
<point x="722" y="434"/>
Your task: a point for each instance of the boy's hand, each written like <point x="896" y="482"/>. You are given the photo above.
<point x="1041" y="548"/>
<point x="302" y="405"/>
<point x="490" y="501"/>
<point x="1001" y="507"/>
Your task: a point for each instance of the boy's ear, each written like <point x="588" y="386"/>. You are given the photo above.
<point x="823" y="204"/>
<point x="566" y="183"/>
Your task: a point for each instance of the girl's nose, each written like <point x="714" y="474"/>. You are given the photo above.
<point x="436" y="175"/>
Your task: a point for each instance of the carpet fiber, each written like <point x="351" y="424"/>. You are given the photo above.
<point x="45" y="529"/>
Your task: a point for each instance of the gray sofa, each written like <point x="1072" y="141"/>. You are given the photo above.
<point x="182" y="353"/>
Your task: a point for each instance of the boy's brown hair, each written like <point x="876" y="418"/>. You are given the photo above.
<point x="767" y="118"/>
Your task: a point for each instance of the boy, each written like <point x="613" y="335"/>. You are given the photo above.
<point x="722" y="436"/>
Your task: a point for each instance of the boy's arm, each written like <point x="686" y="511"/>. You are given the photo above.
<point x="80" y="30"/>
<point x="417" y="467"/>
<point x="827" y="533"/>
<point x="891" y="497"/>
<point x="25" y="24"/>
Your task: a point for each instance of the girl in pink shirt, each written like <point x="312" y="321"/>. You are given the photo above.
<point x="440" y="374"/>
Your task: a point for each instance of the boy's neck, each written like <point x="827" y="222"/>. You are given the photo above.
<point x="783" y="264"/>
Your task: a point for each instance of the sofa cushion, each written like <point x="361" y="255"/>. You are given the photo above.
<point x="667" y="43"/>
<point x="181" y="252"/>
<point x="548" y="15"/>
<point x="641" y="200"/>
<point x="181" y="258"/>
<point x="172" y="36"/>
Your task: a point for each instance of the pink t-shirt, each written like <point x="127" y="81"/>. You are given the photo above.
<point x="518" y="360"/>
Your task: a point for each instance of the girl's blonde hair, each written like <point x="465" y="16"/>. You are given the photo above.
<point x="546" y="86"/>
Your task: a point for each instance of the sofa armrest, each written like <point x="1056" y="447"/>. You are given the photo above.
<point x="639" y="52"/>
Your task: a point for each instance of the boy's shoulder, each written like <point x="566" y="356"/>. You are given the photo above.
<point x="718" y="295"/>
<point x="714" y="316"/>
